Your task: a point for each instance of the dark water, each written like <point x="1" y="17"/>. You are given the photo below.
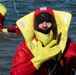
<point x="19" y="8"/>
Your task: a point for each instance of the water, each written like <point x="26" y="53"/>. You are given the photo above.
<point x="9" y="42"/>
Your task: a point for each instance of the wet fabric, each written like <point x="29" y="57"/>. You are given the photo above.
<point x="22" y="64"/>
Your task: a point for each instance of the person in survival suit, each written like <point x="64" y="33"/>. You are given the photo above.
<point x="42" y="55"/>
<point x="3" y="11"/>
<point x="11" y="29"/>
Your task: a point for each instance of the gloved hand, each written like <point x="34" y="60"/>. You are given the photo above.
<point x="42" y="54"/>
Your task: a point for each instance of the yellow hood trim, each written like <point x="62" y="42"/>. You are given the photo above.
<point x="44" y="38"/>
<point x="63" y="20"/>
<point x="3" y="9"/>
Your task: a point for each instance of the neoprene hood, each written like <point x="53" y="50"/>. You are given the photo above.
<point x="41" y="15"/>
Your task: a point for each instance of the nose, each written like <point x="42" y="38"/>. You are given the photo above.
<point x="44" y="24"/>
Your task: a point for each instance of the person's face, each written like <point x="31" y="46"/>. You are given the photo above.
<point x="45" y="25"/>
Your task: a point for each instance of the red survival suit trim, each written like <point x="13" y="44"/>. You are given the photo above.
<point x="22" y="64"/>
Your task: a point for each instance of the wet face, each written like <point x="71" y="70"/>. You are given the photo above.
<point x="44" y="22"/>
<point x="45" y="25"/>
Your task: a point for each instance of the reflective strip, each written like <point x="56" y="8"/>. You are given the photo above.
<point x="43" y="8"/>
<point x="22" y="24"/>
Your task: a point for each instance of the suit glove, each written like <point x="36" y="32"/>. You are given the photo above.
<point x="42" y="54"/>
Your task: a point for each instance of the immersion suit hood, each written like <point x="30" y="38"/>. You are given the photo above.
<point x="43" y="9"/>
<point x="43" y="14"/>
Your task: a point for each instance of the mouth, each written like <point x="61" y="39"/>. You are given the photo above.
<point x="45" y="31"/>
<point x="45" y="28"/>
